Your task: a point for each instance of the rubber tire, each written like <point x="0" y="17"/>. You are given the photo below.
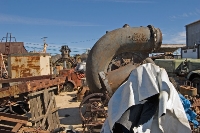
<point x="69" y="87"/>
<point x="196" y="81"/>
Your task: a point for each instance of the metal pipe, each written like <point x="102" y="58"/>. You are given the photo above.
<point x="142" y="40"/>
<point x="65" y="64"/>
<point x="118" y="76"/>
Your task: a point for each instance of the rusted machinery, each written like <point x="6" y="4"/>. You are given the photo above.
<point x="65" y="59"/>
<point x="30" y="88"/>
<point x="68" y="69"/>
<point x="109" y="64"/>
<point x="28" y="85"/>
<point x="27" y="73"/>
<point x="138" y="40"/>
<point x="33" y="95"/>
<point x="73" y="79"/>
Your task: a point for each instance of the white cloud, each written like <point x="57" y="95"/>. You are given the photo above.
<point x="185" y="15"/>
<point x="177" y="38"/>
<point x="40" y="21"/>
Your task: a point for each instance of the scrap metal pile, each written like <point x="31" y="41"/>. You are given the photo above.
<point x="34" y="96"/>
<point x="28" y="83"/>
<point x="195" y="106"/>
<point x="21" y="90"/>
<point x="109" y="64"/>
<point x="126" y="49"/>
<point x="191" y="105"/>
<point x="29" y="88"/>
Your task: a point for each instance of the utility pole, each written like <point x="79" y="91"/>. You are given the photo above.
<point x="8" y="36"/>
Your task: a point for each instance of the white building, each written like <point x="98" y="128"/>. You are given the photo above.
<point x="193" y="34"/>
<point x="192" y="49"/>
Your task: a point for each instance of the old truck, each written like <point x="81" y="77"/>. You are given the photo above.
<point x="68" y="66"/>
<point x="73" y="79"/>
<point x="182" y="69"/>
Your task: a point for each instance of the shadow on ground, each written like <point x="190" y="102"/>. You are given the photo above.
<point x="72" y="95"/>
<point x="69" y="116"/>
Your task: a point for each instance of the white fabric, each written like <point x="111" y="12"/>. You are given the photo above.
<point x="81" y="66"/>
<point x="143" y="82"/>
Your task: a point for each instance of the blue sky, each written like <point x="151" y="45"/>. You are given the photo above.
<point x="80" y="23"/>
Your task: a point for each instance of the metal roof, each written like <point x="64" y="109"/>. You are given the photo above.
<point x="12" y="48"/>
<point x="192" y="23"/>
<point x="169" y="48"/>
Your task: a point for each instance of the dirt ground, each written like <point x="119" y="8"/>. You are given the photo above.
<point x="69" y="110"/>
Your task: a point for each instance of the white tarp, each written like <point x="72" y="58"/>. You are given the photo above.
<point x="143" y="82"/>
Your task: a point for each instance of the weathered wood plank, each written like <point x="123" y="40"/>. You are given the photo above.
<point x="32" y="108"/>
<point x="47" y="112"/>
<point x="55" y="114"/>
<point x="42" y="116"/>
<point x="17" y="127"/>
<point x="53" y="106"/>
<point x="36" y="110"/>
<point x="39" y="107"/>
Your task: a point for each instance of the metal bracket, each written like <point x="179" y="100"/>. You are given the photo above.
<point x="105" y="82"/>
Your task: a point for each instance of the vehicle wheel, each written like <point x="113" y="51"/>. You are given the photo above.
<point x="196" y="83"/>
<point x="85" y="108"/>
<point x="172" y="80"/>
<point x="69" y="87"/>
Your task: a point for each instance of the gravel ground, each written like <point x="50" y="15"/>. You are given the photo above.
<point x="68" y="110"/>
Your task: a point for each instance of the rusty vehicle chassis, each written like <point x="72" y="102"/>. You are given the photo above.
<point x="19" y="92"/>
<point x="11" y="95"/>
<point x="31" y="85"/>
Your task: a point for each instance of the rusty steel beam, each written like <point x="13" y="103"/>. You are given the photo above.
<point x="142" y="40"/>
<point x="30" y="86"/>
<point x="25" y="79"/>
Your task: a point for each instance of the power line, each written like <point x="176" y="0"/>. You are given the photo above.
<point x="81" y="41"/>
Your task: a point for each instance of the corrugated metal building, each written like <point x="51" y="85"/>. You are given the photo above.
<point x="192" y="49"/>
<point x="193" y="34"/>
